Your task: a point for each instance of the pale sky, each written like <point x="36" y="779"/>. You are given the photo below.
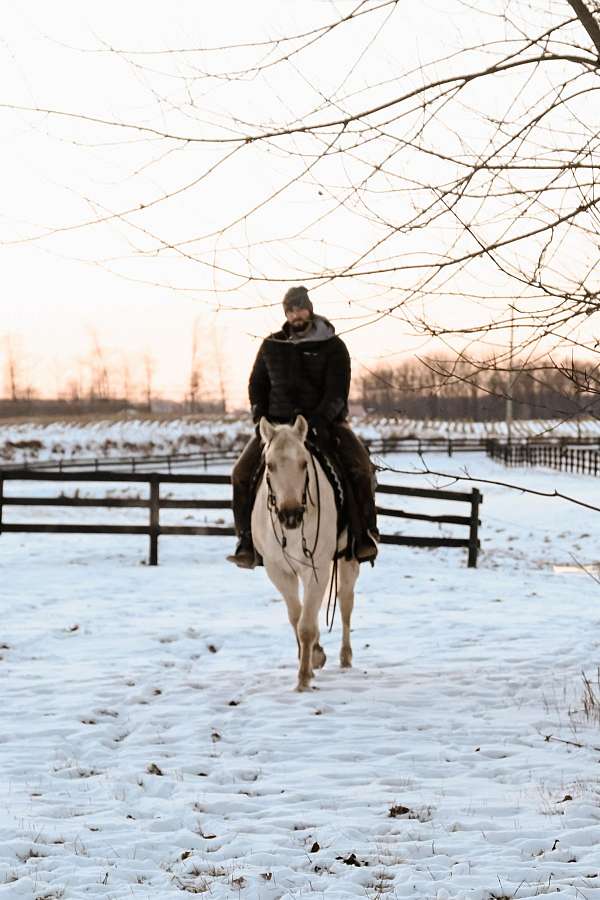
<point x="105" y="284"/>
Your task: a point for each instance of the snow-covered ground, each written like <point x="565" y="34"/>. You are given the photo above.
<point x="152" y="746"/>
<point x="121" y="437"/>
<point x="30" y="442"/>
<point x="457" y="429"/>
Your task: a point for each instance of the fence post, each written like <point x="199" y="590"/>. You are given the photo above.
<point x="473" y="539"/>
<point x="154" y="518"/>
<point x="449" y="446"/>
<point x="1" y="501"/>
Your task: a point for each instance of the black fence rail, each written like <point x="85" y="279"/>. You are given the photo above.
<point x="582" y="460"/>
<point x="166" y="462"/>
<point x="154" y="503"/>
<point x="449" y="446"/>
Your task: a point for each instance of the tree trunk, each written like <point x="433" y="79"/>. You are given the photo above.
<point x="588" y="20"/>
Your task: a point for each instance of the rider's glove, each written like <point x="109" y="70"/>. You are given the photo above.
<point x="319" y="427"/>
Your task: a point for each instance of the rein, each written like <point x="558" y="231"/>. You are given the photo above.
<point x="307" y="552"/>
<point x="274" y="511"/>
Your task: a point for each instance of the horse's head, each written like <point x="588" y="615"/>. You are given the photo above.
<point x="286" y="460"/>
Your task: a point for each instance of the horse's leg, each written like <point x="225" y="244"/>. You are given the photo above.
<point x="348" y="573"/>
<point x="287" y="585"/>
<point x="308" y="631"/>
<point x="318" y="654"/>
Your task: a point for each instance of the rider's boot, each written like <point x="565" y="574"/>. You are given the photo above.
<point x="365" y="548"/>
<point x="244" y="555"/>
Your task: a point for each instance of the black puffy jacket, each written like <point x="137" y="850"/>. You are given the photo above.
<point x="310" y="376"/>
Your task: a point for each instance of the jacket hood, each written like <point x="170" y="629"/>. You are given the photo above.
<point x="322" y="330"/>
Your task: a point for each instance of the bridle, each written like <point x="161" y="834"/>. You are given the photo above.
<point x="274" y="511"/>
<point x="307" y="552"/>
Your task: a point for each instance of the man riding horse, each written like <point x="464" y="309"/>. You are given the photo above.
<point x="305" y="369"/>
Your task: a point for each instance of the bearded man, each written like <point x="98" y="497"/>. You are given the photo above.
<point x="304" y="369"/>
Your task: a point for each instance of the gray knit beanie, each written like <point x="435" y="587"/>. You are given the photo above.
<point x="297" y="298"/>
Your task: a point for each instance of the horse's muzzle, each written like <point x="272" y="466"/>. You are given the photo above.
<point x="291" y="518"/>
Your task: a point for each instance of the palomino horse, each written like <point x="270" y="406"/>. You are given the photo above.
<point x="294" y="527"/>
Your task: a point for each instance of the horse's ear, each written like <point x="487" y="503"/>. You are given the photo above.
<point x="301" y="428"/>
<point x="266" y="430"/>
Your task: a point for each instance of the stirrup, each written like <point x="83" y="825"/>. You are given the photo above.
<point x="242" y="561"/>
<point x="244" y="555"/>
<point x="366" y="549"/>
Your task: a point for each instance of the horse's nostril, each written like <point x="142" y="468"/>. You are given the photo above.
<point x="291" y="518"/>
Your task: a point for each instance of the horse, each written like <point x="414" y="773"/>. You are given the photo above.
<point x="294" y="528"/>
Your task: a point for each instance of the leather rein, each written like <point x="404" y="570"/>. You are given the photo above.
<point x="273" y="508"/>
<point x="307" y="552"/>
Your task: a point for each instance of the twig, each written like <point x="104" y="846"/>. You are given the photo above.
<point x="584" y="568"/>
<point x="550" y="737"/>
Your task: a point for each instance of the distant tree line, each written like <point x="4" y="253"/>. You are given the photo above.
<point x="31" y="405"/>
<point x="458" y="389"/>
<point x="106" y="383"/>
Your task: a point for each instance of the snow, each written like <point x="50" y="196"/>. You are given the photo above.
<point x="152" y="745"/>
<point x="122" y="437"/>
<point x="31" y="441"/>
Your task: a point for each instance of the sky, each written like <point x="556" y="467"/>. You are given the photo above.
<point x="104" y="290"/>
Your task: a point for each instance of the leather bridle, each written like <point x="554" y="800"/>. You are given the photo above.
<point x="274" y="511"/>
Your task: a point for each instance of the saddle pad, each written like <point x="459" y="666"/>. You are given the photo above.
<point x="335" y="477"/>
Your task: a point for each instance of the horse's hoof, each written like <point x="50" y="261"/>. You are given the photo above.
<point x="346" y="659"/>
<point x="318" y="657"/>
<point x="302" y="686"/>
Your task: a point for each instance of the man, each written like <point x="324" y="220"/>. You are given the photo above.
<point x="305" y="369"/>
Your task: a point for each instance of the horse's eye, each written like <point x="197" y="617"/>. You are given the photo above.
<point x="271" y="467"/>
<point x="303" y="464"/>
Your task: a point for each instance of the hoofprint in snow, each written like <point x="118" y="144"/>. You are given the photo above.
<point x="152" y="745"/>
<point x="31" y="442"/>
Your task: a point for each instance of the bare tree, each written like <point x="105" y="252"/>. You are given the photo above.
<point x="125" y="389"/>
<point x="219" y="367"/>
<point x="149" y="369"/>
<point x="195" y="376"/>
<point x="456" y="389"/>
<point x="100" y="383"/>
<point x="12" y="368"/>
<point x="456" y="194"/>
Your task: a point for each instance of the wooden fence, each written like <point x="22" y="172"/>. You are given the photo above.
<point x="167" y="462"/>
<point x="581" y="460"/>
<point x="155" y="503"/>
